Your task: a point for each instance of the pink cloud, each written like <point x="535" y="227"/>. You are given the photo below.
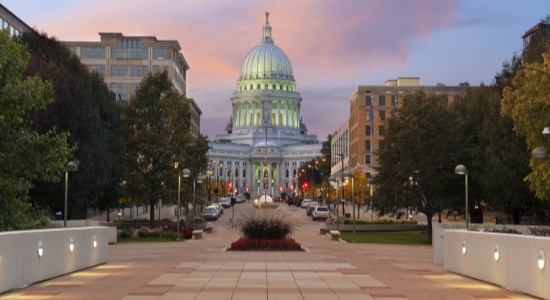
<point x="330" y="43"/>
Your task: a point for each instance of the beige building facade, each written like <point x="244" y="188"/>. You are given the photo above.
<point x="12" y="23"/>
<point x="371" y="106"/>
<point x="124" y="61"/>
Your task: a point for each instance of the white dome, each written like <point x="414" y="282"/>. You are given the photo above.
<point x="266" y="61"/>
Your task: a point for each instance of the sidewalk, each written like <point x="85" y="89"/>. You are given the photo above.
<point x="201" y="269"/>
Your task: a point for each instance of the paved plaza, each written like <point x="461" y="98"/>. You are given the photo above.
<point x="202" y="269"/>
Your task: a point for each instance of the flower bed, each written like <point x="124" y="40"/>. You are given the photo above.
<point x="266" y="230"/>
<point x="168" y="232"/>
<point x="244" y="244"/>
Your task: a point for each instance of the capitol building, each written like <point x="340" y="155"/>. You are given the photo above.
<point x="265" y="141"/>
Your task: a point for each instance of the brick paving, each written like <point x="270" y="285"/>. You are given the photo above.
<point x="202" y="269"/>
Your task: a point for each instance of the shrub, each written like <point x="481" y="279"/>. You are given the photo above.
<point x="381" y="221"/>
<point x="124" y="220"/>
<point x="540" y="231"/>
<point x="244" y="244"/>
<point x="261" y="224"/>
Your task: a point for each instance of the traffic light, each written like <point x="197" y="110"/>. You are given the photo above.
<point x="304" y="186"/>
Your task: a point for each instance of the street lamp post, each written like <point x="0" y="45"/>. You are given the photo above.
<point x="185" y="173"/>
<point x="335" y="182"/>
<point x="71" y="166"/>
<point x="462" y="170"/>
<point x="341" y="155"/>
<point x="348" y="175"/>
<point x="541" y="152"/>
<point x="198" y="180"/>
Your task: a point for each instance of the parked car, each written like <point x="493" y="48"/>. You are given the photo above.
<point x="320" y="212"/>
<point x="219" y="207"/>
<point x="240" y="199"/>
<point x="293" y="201"/>
<point x="305" y="203"/>
<point x="225" y="202"/>
<point x="210" y="213"/>
<point x="311" y="205"/>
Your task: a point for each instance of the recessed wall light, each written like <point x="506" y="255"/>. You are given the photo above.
<point x="40" y="248"/>
<point x="496" y="253"/>
<point x="95" y="242"/>
<point x="71" y="245"/>
<point x="541" y="260"/>
<point x="464" y="247"/>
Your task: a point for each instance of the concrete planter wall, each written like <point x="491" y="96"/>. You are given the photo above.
<point x="21" y="265"/>
<point x="517" y="265"/>
<point x="377" y="227"/>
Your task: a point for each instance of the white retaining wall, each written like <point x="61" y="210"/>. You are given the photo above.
<point x="516" y="268"/>
<point x="21" y="265"/>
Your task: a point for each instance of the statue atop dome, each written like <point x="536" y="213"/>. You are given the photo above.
<point x="267" y="17"/>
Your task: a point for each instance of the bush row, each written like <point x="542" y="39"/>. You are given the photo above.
<point x="243" y="244"/>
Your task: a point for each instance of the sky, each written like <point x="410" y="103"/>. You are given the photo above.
<point x="333" y="45"/>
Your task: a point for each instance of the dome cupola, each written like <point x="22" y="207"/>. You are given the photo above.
<point x="266" y="61"/>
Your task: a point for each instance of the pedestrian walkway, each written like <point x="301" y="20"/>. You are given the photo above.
<point x="202" y="269"/>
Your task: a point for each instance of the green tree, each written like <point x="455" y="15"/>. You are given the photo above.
<point x="526" y="101"/>
<point x="82" y="105"/>
<point x="157" y="122"/>
<point x="418" y="159"/>
<point x="496" y="158"/>
<point x="25" y="155"/>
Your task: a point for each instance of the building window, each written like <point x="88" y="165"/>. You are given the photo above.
<point x="380" y="145"/>
<point x="161" y="53"/>
<point x="119" y="70"/>
<point x="120" y="90"/>
<point x="129" y="48"/>
<point x="382" y="115"/>
<point x="381" y="130"/>
<point x="99" y="69"/>
<point x="394" y="101"/>
<point x="367" y="159"/>
<point x="93" y="52"/>
<point x="368" y="100"/>
<point x="367" y="146"/>
<point x="138" y="71"/>
<point x="381" y="100"/>
<point x="72" y="50"/>
<point x="367" y="130"/>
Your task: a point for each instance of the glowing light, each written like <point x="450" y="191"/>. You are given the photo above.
<point x="464" y="247"/>
<point x="95" y="241"/>
<point x="40" y="248"/>
<point x="496" y="253"/>
<point x="541" y="260"/>
<point x="71" y="245"/>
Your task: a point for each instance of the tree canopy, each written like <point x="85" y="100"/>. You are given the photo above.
<point x="418" y="158"/>
<point x="82" y="105"/>
<point x="158" y="136"/>
<point x="25" y="154"/>
<point x="527" y="101"/>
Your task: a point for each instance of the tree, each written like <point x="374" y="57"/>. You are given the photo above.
<point x="82" y="105"/>
<point x="496" y="158"/>
<point x="526" y="100"/>
<point x="418" y="159"/>
<point x="157" y="122"/>
<point x="25" y="155"/>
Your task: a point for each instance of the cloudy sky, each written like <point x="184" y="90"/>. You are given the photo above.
<point x="334" y="45"/>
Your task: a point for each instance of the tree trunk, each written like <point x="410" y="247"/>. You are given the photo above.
<point x="429" y="219"/>
<point x="152" y="213"/>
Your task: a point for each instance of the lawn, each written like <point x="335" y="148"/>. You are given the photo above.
<point x="388" y="237"/>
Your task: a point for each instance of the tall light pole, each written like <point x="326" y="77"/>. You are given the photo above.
<point x="348" y="175"/>
<point x="341" y="155"/>
<point x="198" y="180"/>
<point x="541" y="152"/>
<point x="334" y="181"/>
<point x="71" y="166"/>
<point x="461" y="170"/>
<point x="185" y="173"/>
